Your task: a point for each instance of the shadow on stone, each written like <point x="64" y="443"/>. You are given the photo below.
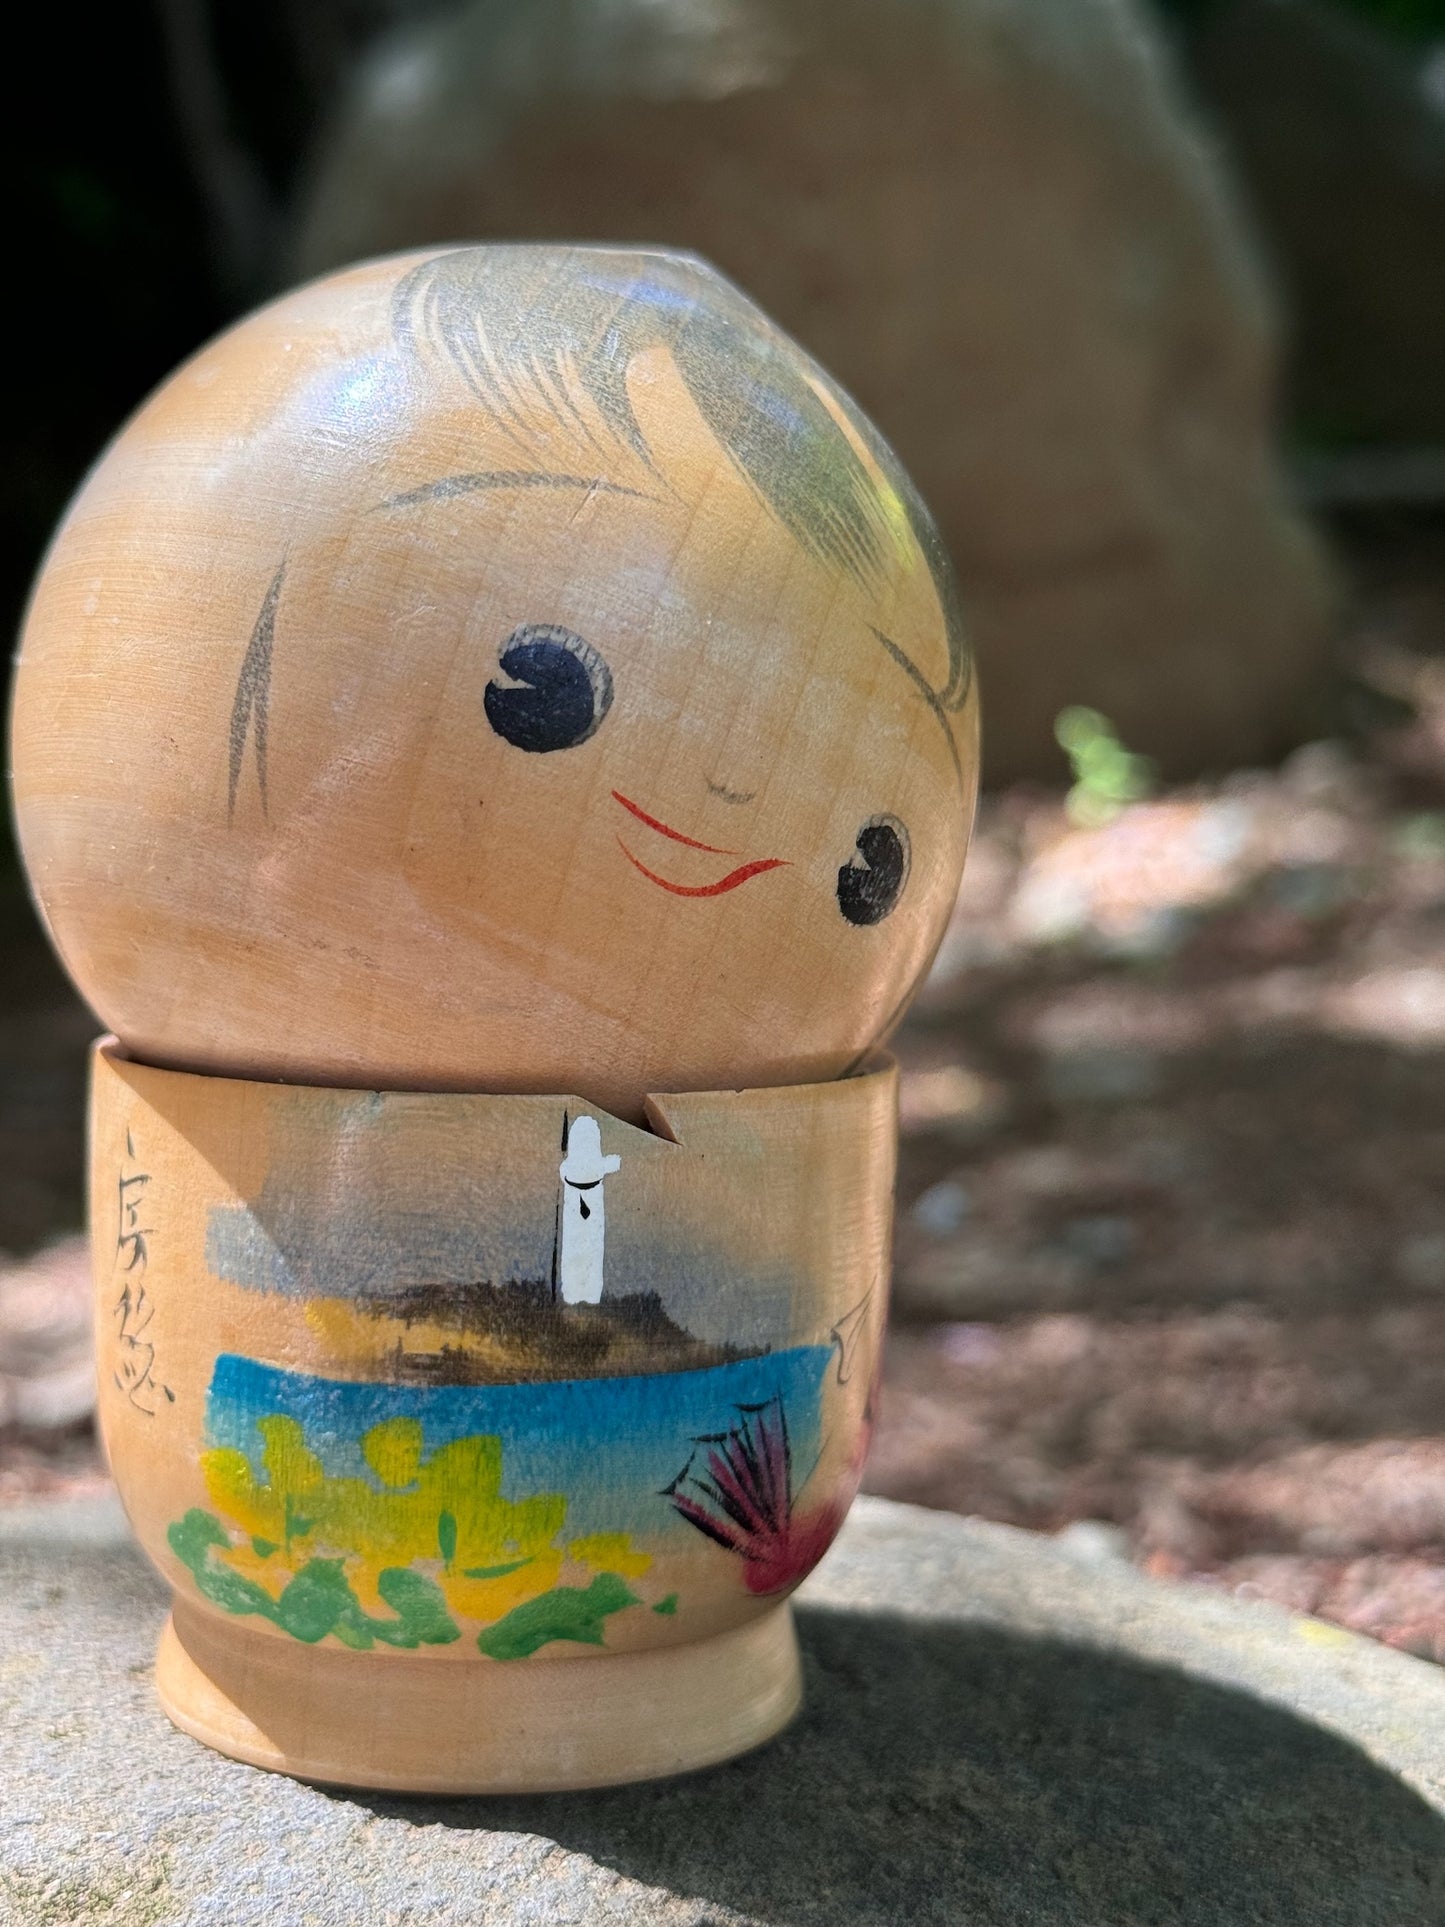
<point x="962" y="1775"/>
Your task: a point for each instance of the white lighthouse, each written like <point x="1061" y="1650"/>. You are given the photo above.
<point x="579" y="1253"/>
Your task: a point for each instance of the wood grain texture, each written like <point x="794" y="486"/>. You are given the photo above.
<point x="479" y="675"/>
<point x="513" y="669"/>
<point x="362" y="1433"/>
<point x="330" y="1717"/>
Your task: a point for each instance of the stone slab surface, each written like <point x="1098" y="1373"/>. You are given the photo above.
<point x="1000" y="1729"/>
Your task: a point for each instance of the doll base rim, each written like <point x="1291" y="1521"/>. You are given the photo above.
<point x="876" y="1063"/>
<point x="342" y="1718"/>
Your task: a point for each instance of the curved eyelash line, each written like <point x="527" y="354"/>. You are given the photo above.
<point x="929" y="694"/>
<point x="250" y="710"/>
<point x="726" y="795"/>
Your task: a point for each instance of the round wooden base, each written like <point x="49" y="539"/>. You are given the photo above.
<point x="427" y="1726"/>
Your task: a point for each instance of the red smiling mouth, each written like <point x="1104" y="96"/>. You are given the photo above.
<point x="731" y="881"/>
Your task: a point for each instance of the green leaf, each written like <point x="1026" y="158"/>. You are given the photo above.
<point x="447" y="1538"/>
<point x="319" y="1599"/>
<point x="191" y="1540"/>
<point x="495" y="1572"/>
<point x="567" y="1612"/>
<point x="668" y="1605"/>
<point x="421" y="1612"/>
<point x="315" y="1600"/>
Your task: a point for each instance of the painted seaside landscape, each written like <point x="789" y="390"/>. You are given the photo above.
<point x="518" y="1332"/>
<point x="518" y="1515"/>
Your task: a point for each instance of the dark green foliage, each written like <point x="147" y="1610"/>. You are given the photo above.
<point x="319" y="1600"/>
<point x="1418" y="20"/>
<point x="447" y="1538"/>
<point x="567" y="1612"/>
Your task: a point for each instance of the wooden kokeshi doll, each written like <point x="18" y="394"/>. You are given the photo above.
<point x="494" y="741"/>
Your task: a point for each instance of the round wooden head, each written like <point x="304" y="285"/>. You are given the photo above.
<point x="509" y="669"/>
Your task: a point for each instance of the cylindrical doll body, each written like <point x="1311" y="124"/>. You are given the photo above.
<point x="479" y="695"/>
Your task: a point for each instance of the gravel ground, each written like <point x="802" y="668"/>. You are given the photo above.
<point x="1171" y="1243"/>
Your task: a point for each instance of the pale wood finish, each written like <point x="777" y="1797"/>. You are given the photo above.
<point x="336" y="1717"/>
<point x="778" y="1202"/>
<point x="263" y="809"/>
<point x="245" y="1230"/>
<point x="483" y="674"/>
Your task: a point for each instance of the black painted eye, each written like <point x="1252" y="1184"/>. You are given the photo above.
<point x="559" y="692"/>
<point x="872" y="880"/>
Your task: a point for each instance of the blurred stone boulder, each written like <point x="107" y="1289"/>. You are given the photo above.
<point x="47" y="1348"/>
<point x="996" y="223"/>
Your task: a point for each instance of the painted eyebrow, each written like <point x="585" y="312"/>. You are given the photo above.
<point x="929" y="694"/>
<point x="453" y="485"/>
